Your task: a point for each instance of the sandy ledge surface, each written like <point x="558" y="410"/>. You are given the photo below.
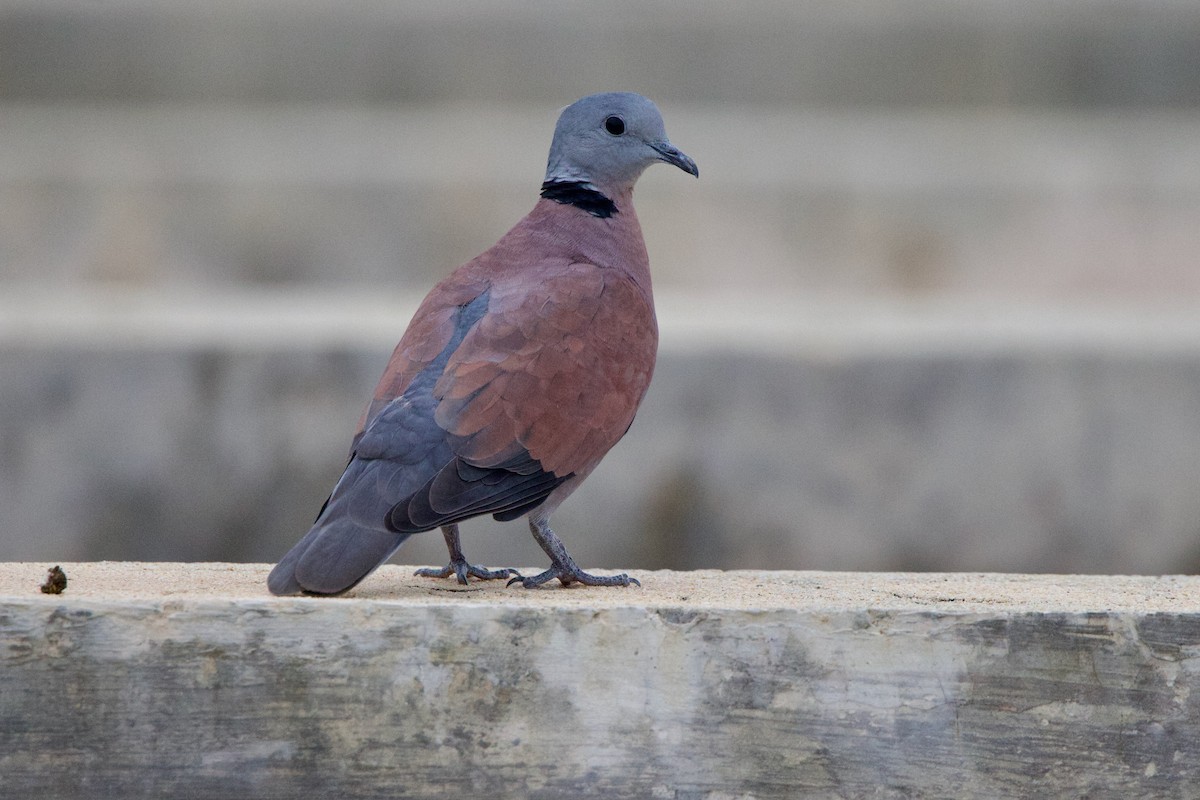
<point x="147" y="582"/>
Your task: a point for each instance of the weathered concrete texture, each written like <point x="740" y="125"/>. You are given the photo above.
<point x="700" y="685"/>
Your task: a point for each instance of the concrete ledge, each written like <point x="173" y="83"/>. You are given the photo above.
<point x="188" y="680"/>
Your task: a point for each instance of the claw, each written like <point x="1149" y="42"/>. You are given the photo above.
<point x="563" y="566"/>
<point x="572" y="574"/>
<point x="462" y="570"/>
<point x="458" y="566"/>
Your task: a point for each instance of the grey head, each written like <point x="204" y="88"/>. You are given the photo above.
<point x="607" y="140"/>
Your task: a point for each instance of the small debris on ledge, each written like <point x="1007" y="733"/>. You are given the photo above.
<point x="56" y="581"/>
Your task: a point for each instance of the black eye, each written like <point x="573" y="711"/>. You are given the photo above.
<point x="614" y="125"/>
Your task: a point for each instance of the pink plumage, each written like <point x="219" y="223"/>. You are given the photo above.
<point x="517" y="373"/>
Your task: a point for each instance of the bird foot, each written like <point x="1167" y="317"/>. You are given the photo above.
<point x="461" y="570"/>
<point x="572" y="574"/>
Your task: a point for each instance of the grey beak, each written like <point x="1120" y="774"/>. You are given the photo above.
<point x="672" y="155"/>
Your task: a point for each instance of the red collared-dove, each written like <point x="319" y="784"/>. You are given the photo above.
<point x="516" y="375"/>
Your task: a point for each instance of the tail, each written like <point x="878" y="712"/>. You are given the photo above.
<point x="333" y="557"/>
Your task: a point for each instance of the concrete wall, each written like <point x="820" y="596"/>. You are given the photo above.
<point x="839" y="439"/>
<point x="1027" y="204"/>
<point x="187" y="681"/>
<point x="214" y="220"/>
<point x="869" y="52"/>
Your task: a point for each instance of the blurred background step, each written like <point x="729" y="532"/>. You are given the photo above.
<point x="1032" y="204"/>
<point x="1074" y="53"/>
<point x="940" y="436"/>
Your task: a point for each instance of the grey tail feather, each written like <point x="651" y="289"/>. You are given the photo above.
<point x="332" y="558"/>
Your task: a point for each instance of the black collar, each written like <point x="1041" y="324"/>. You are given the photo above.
<point x="581" y="195"/>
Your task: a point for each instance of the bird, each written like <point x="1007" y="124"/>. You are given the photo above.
<point x="516" y="375"/>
